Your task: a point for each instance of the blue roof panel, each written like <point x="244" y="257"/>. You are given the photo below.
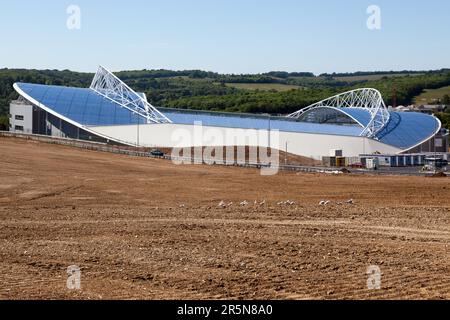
<point x="86" y="107"/>
<point x="408" y="129"/>
<point x="81" y="105"/>
<point x="361" y="115"/>
<point x="257" y="122"/>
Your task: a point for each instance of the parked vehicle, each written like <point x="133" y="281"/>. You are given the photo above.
<point x="157" y="153"/>
<point x="433" y="164"/>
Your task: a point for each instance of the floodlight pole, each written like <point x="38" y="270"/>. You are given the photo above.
<point x="434" y="146"/>
<point x="137" y="141"/>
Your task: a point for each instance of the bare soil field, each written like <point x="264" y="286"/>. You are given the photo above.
<point x="147" y="229"/>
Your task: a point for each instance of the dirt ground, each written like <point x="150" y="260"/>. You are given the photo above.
<point x="148" y="229"/>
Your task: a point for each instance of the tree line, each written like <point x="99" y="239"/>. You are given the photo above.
<point x="204" y="90"/>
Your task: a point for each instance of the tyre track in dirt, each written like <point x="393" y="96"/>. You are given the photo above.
<point x="144" y="228"/>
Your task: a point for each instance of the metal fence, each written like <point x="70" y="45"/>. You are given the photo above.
<point x="145" y="152"/>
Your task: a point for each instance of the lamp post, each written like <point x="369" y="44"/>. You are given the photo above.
<point x="285" y="154"/>
<point x="137" y="134"/>
<point x="268" y="115"/>
<point x="434" y="146"/>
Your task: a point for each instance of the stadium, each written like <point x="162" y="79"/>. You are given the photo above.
<point x="356" y="122"/>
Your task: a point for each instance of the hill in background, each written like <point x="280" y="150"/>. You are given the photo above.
<point x="275" y="92"/>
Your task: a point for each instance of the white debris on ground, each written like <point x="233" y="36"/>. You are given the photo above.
<point x="245" y="203"/>
<point x="335" y="172"/>
<point x="339" y="203"/>
<point x="256" y="203"/>
<point x="223" y="204"/>
<point x="287" y="203"/>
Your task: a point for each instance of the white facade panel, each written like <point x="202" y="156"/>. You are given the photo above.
<point x="304" y="144"/>
<point x="21" y="117"/>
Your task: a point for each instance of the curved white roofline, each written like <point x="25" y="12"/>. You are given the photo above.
<point x="365" y="98"/>
<point x="56" y="114"/>
<point x="439" y="127"/>
<point x="368" y="100"/>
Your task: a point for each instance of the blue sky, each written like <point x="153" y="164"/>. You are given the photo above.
<point x="227" y="36"/>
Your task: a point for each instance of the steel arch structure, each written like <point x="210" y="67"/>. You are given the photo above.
<point x="106" y="84"/>
<point x="366" y="98"/>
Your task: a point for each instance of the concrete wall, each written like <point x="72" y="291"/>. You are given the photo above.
<point x="18" y="109"/>
<point x="304" y="144"/>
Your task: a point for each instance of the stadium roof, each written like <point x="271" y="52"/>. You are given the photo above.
<point x="406" y="130"/>
<point x="364" y="115"/>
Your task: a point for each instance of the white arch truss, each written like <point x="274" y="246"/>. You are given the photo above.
<point x="109" y="86"/>
<point x="366" y="98"/>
